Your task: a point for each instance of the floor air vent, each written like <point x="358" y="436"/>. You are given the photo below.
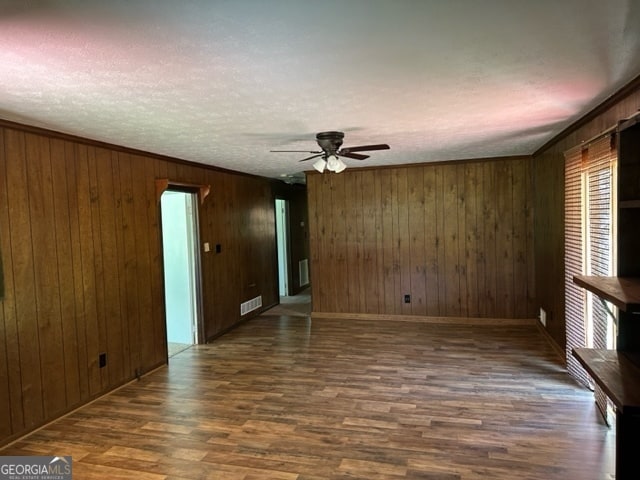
<point x="250" y="305"/>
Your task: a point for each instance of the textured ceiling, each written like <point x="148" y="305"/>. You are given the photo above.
<point x="223" y="82"/>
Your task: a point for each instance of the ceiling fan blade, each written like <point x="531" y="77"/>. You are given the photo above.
<point x="293" y="151"/>
<point x="312" y="156"/>
<point x="356" y="156"/>
<point x="365" y="148"/>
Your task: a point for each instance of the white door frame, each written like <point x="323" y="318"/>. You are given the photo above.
<point x="193" y="276"/>
<point x="282" y="241"/>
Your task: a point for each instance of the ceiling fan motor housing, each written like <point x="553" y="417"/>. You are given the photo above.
<point x="330" y="142"/>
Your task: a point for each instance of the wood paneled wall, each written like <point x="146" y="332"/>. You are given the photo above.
<point x="456" y="237"/>
<point x="548" y="171"/>
<point x="81" y="253"/>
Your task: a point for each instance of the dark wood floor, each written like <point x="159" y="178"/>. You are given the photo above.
<point x="287" y="398"/>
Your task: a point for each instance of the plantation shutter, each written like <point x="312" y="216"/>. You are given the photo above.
<point x="589" y="245"/>
<point x="573" y="260"/>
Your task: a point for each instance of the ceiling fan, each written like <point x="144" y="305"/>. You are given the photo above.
<point x="330" y="143"/>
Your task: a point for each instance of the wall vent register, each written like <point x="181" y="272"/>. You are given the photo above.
<point x="251" y="305"/>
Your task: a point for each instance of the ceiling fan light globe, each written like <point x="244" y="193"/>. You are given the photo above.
<point x="320" y="165"/>
<point x="340" y="166"/>
<point x="333" y="163"/>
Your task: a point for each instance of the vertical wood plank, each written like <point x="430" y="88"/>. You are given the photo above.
<point x="490" y="215"/>
<point x="351" y="288"/>
<point x="158" y="319"/>
<point x="324" y="241"/>
<point x="324" y="266"/>
<point x="340" y="289"/>
<point x="369" y="270"/>
<point x="380" y="275"/>
<point x="404" y="241"/>
<point x="266" y="245"/>
<point x="396" y="304"/>
<point x="520" y="237"/>
<point x="270" y="247"/>
<point x="441" y="241"/>
<point x="143" y="270"/>
<point x="463" y="309"/>
<point x="134" y="331"/>
<point x="209" y="280"/>
<point x="228" y="233"/>
<point x="5" y="396"/>
<point x="387" y="252"/>
<point x="212" y="220"/>
<point x="530" y="239"/>
<point x="431" y="236"/>
<point x="77" y="288"/>
<point x="99" y="253"/>
<point x="27" y="334"/>
<point x="242" y="222"/>
<point x="360" y="239"/>
<point x="112" y="317"/>
<point x="451" y="241"/>
<point x="315" y="242"/>
<point x="89" y="315"/>
<point x="361" y="293"/>
<point x="11" y="412"/>
<point x="206" y="258"/>
<point x="416" y="221"/>
<point x="70" y="347"/>
<point x="504" y="241"/>
<point x="480" y="259"/>
<point x="121" y="268"/>
<point x="472" y="236"/>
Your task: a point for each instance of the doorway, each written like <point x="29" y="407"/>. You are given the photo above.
<point x="181" y="261"/>
<point x="282" y="240"/>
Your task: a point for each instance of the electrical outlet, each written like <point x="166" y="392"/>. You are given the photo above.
<point x="407" y="299"/>
<point x="543" y="317"/>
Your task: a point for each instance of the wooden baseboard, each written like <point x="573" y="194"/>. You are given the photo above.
<point x="425" y="319"/>
<point x="7" y="442"/>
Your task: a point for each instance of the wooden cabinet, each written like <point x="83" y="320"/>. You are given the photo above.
<point x="618" y="372"/>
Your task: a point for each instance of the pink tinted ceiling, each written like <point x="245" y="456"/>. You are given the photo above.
<point x="223" y="82"/>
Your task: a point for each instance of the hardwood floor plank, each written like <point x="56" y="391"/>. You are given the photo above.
<point x="287" y="398"/>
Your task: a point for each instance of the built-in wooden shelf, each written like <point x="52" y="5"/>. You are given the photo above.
<point x="629" y="203"/>
<point x="623" y="292"/>
<point x="616" y="373"/>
